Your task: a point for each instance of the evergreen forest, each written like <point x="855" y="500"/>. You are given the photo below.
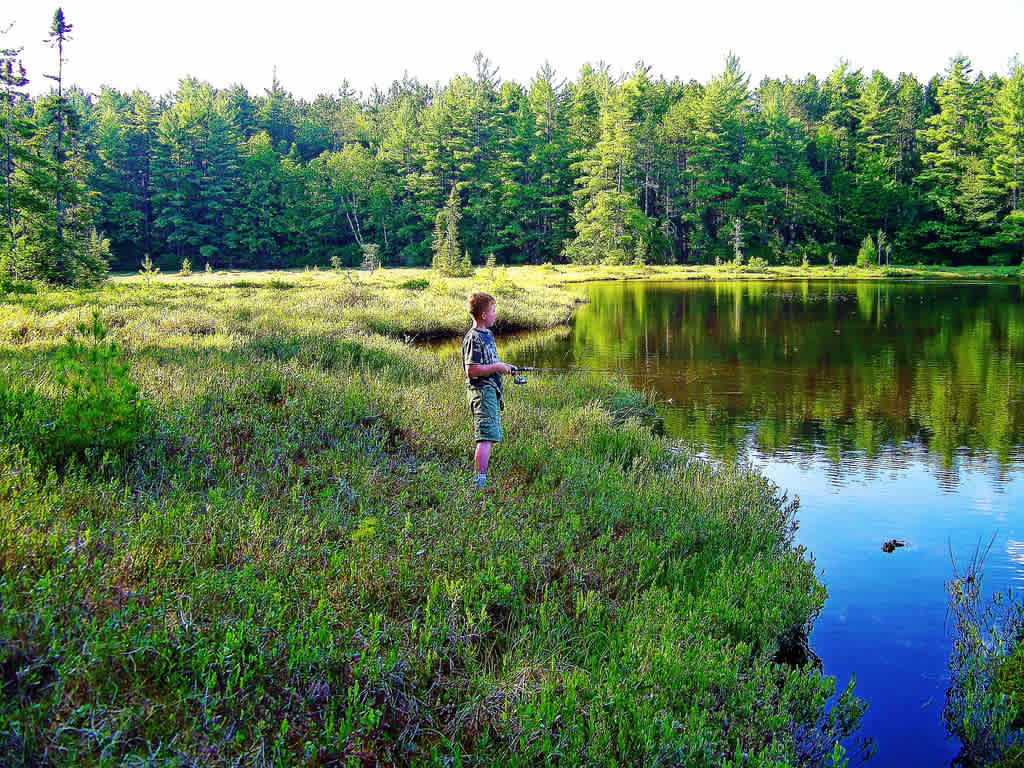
<point x="602" y="168"/>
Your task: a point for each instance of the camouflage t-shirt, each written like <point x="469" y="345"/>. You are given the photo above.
<point x="478" y="348"/>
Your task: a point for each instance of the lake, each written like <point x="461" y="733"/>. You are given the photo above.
<point x="894" y="410"/>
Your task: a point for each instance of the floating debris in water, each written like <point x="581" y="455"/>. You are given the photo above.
<point x="891" y="545"/>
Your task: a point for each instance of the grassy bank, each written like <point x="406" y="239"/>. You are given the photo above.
<point x="570" y="274"/>
<point x="287" y="565"/>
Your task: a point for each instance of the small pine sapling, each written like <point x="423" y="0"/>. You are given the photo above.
<point x="371" y="257"/>
<point x="148" y="270"/>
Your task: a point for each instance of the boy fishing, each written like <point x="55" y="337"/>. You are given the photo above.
<point x="483" y="380"/>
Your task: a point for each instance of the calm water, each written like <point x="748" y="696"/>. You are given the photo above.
<point x="892" y="410"/>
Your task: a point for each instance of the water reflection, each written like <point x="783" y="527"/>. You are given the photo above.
<point x="847" y="371"/>
<point x="1015" y="554"/>
<point x="894" y="411"/>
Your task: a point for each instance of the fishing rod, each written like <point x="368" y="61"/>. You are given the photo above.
<point x="529" y="368"/>
<point x="520" y="379"/>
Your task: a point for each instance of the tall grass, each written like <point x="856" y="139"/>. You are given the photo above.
<point x="985" y="700"/>
<point x="289" y="567"/>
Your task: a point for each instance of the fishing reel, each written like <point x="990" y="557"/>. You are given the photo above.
<point x="517" y="375"/>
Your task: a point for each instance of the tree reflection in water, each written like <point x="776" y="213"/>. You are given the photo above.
<point x="870" y="374"/>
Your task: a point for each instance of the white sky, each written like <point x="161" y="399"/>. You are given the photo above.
<point x="150" y="45"/>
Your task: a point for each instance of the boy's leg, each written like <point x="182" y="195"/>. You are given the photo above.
<point x="486" y="411"/>
<point x="482" y="456"/>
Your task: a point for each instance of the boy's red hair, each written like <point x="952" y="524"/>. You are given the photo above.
<point x="479" y="302"/>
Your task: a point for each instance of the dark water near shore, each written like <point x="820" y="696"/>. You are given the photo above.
<point x="893" y="410"/>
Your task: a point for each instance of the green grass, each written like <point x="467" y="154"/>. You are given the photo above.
<point x="289" y="566"/>
<point x="568" y="274"/>
<point x="1009" y="680"/>
<point x="984" y="705"/>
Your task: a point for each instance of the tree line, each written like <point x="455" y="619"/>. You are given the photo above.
<point x="602" y="168"/>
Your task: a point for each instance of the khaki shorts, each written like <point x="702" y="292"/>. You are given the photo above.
<point x="485" y="405"/>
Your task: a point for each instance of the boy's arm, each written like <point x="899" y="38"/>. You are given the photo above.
<point x="473" y="370"/>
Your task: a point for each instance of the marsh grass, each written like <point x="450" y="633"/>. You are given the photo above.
<point x="290" y="568"/>
<point x="985" y="700"/>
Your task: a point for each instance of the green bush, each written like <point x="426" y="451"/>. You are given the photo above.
<point x="148" y="268"/>
<point x="983" y="704"/>
<point x="757" y="264"/>
<point x="867" y="254"/>
<point x="1009" y="681"/>
<point x="97" y="417"/>
<point x="415" y="284"/>
<point x="502" y="285"/>
<point x="91" y="265"/>
<point x="371" y="257"/>
<point x="635" y="406"/>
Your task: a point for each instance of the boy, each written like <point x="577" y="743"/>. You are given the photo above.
<point x="483" y="380"/>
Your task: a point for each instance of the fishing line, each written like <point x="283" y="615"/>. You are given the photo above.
<point x="520" y="379"/>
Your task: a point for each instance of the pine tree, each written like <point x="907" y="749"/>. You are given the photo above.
<point x="719" y="161"/>
<point x="609" y="225"/>
<point x="17" y="131"/>
<point x="483" y="158"/>
<point x="442" y="153"/>
<point x="953" y="166"/>
<point x="546" y="176"/>
<point x="404" y="232"/>
<point x="56" y="242"/>
<point x="836" y="147"/>
<point x="274" y="115"/>
<point x="60" y="32"/>
<point x="681" y="135"/>
<point x="909" y="120"/>
<point x="782" y="201"/>
<point x="141" y="130"/>
<point x="507" y="209"/>
<point x="449" y="259"/>
<point x="1008" y="168"/>
<point x="119" y="171"/>
<point x="261" y="218"/>
<point x="650" y="168"/>
<point x="874" y="198"/>
<point x="867" y="253"/>
<point x="196" y="168"/>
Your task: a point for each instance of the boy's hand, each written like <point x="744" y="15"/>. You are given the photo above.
<point x="506" y="368"/>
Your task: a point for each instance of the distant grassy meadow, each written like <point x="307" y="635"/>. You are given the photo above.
<point x="285" y="563"/>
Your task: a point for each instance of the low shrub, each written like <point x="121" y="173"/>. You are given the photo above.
<point x="96" y="416"/>
<point x="757" y="264"/>
<point x="635" y="406"/>
<point x="983" y="703"/>
<point x="1009" y="681"/>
